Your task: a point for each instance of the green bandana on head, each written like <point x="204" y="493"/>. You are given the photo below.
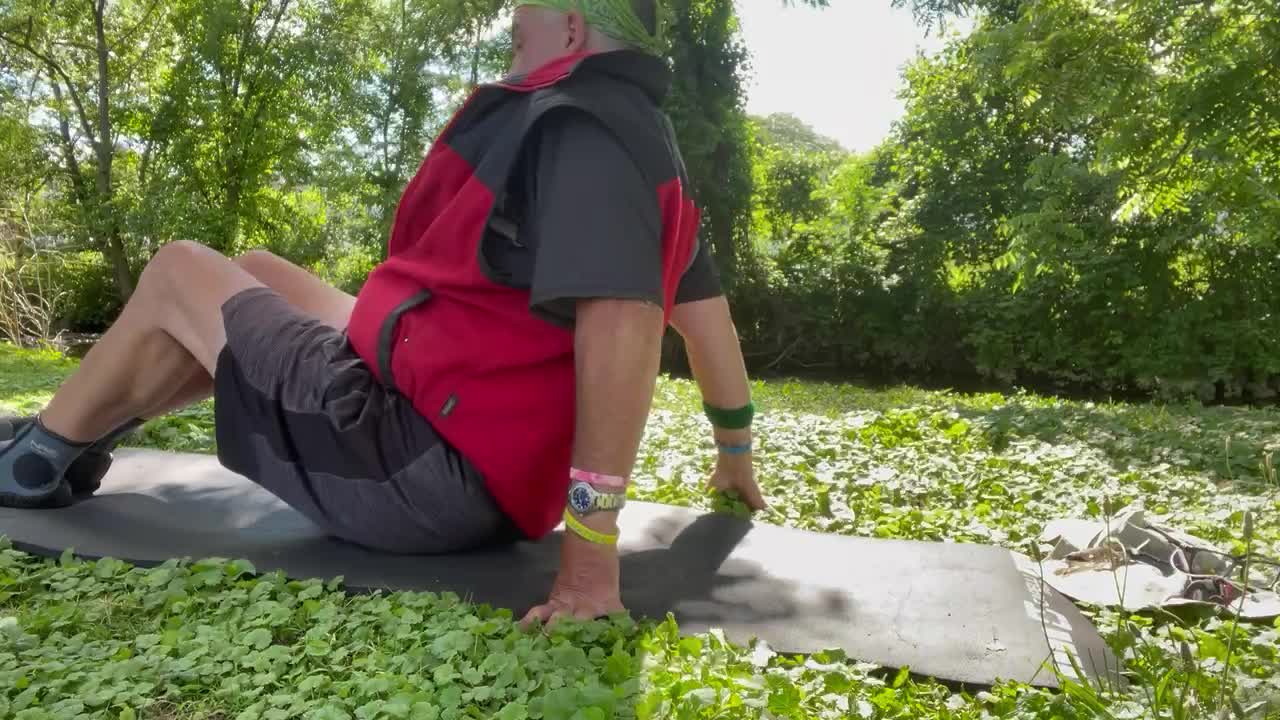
<point x="615" y="18"/>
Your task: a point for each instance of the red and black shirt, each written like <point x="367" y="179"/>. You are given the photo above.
<point x="543" y="190"/>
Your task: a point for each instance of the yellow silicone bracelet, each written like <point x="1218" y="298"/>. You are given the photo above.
<point x="587" y="533"/>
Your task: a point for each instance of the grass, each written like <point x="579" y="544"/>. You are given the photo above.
<point x="211" y="639"/>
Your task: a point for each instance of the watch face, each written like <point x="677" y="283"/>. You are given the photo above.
<point x="580" y="498"/>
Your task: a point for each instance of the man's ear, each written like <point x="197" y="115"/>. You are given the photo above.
<point x="576" y="37"/>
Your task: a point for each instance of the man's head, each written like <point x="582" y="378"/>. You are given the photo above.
<point x="543" y="30"/>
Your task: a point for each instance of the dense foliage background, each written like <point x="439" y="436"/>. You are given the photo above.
<point x="1082" y="193"/>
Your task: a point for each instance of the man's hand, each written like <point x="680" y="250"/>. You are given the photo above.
<point x="585" y="589"/>
<point x="736" y="473"/>
<point x="617" y="347"/>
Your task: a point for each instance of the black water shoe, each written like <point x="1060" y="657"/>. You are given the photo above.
<point x="85" y="473"/>
<point x="32" y="468"/>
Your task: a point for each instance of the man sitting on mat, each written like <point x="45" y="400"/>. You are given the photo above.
<point x="494" y="375"/>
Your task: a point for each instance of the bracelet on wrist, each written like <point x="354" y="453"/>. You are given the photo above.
<point x="732" y="449"/>
<point x="611" y="483"/>
<point x="586" y="533"/>
<point x="730" y="419"/>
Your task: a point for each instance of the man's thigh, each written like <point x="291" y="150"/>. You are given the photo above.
<point x="306" y="292"/>
<point x="301" y="415"/>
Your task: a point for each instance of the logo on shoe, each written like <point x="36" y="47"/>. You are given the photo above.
<point x="43" y="451"/>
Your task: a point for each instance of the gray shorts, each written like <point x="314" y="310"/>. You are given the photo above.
<point x="299" y="413"/>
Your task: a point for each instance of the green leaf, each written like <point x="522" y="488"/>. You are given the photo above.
<point x="560" y="704"/>
<point x="25" y="698"/>
<point x="472" y="675"/>
<point x="452" y="643"/>
<point x="450" y="697"/>
<point x="702" y="696"/>
<point x="691" y="646"/>
<point x="513" y="711"/>
<point x="331" y="711"/>
<point x="318" y="648"/>
<point x="399" y="706"/>
<point x="258" y="638"/>
<point x="444" y="674"/>
<point x="568" y="656"/>
<point x="617" y="668"/>
<point x="784" y="698"/>
<point x="424" y="711"/>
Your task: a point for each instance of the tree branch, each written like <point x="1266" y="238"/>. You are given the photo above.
<point x="252" y="90"/>
<point x="69" y="148"/>
<point x="275" y="26"/>
<point x="74" y="44"/>
<point x="127" y="35"/>
<point x="106" y="144"/>
<point x="55" y="69"/>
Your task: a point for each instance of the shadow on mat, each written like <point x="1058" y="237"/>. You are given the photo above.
<point x="677" y="563"/>
<point x="687" y="570"/>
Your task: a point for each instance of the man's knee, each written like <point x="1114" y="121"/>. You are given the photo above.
<point x="174" y="261"/>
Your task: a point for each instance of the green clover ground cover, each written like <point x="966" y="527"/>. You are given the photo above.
<point x="213" y="639"/>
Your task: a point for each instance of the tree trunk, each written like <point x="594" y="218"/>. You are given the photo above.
<point x="231" y="212"/>
<point x="115" y="254"/>
<point x="107" y="225"/>
<point x="69" y="148"/>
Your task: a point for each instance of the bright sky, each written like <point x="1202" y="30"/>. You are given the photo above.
<point x="836" y="69"/>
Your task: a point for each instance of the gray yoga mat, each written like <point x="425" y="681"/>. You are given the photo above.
<point x="966" y="613"/>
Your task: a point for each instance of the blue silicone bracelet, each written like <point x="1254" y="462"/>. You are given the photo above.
<point x="734" y="449"/>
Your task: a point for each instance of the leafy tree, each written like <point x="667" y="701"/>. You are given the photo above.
<point x="1055" y="196"/>
<point x="88" y="60"/>
<point x="253" y="93"/>
<point x="425" y="55"/>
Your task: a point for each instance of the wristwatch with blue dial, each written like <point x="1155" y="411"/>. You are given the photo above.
<point x="585" y="500"/>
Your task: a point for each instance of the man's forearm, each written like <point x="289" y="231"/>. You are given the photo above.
<point x="617" y="353"/>
<point x="715" y="357"/>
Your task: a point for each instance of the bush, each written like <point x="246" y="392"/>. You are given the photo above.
<point x="347" y="270"/>
<point x="90" y="303"/>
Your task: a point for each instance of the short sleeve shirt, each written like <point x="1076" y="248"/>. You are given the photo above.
<point x="580" y="221"/>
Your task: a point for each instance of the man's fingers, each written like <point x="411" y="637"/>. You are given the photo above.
<point x="550" y="614"/>
<point x="754" y="499"/>
<point x="541" y="613"/>
<point x="559" y="615"/>
<point x="750" y="493"/>
<point x="746" y="488"/>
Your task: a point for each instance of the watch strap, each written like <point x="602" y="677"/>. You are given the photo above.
<point x="587" y="500"/>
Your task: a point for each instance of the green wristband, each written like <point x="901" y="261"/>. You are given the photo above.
<point x="738" y="419"/>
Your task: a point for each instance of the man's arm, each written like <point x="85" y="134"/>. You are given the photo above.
<point x="617" y="354"/>
<point x="715" y="357"/>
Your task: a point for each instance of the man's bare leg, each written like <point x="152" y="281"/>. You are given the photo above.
<point x="173" y="317"/>
<point x="299" y="287"/>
